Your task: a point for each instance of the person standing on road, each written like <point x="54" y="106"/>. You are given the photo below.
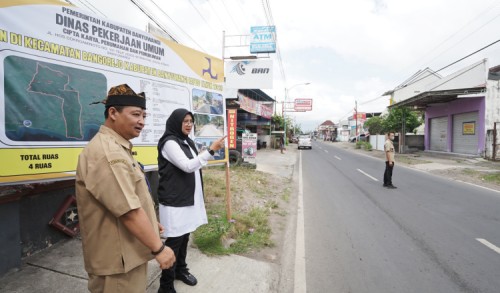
<point x="180" y="192"/>
<point x="389" y="160"/>
<point x="119" y="229"/>
<point x="282" y="143"/>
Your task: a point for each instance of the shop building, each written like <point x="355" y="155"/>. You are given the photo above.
<point x="327" y="130"/>
<point x="461" y="109"/>
<point x="254" y="111"/>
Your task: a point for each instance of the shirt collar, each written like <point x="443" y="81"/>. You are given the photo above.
<point x="119" y="139"/>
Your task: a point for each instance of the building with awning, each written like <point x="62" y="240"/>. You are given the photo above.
<point x="327" y="130"/>
<point x="254" y="111"/>
<point x="460" y="109"/>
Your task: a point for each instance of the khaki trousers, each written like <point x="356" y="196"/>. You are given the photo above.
<point x="134" y="281"/>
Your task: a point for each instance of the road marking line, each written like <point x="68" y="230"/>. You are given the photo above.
<point x="336" y="157"/>
<point x="366" y="174"/>
<point x="300" y="247"/>
<point x="483" y="187"/>
<point x="489" y="245"/>
<point x="326" y="151"/>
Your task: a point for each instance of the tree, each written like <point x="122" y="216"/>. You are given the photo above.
<point x="278" y="122"/>
<point x="297" y="129"/>
<point x="289" y="127"/>
<point x="375" y="125"/>
<point x="394" y="120"/>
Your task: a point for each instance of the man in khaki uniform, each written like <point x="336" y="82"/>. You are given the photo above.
<point x="118" y="224"/>
<point x="389" y="161"/>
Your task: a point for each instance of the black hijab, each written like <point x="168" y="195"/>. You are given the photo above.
<point x="173" y="129"/>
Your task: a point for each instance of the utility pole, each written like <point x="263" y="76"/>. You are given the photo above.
<point x="356" y="113"/>
<point x="402" y="138"/>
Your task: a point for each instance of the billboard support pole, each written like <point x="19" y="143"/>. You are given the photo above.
<point x="228" y="193"/>
<point x="228" y="179"/>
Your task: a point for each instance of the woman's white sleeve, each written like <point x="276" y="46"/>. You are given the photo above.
<point x="174" y="154"/>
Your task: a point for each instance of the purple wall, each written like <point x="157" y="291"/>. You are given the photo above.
<point x="457" y="107"/>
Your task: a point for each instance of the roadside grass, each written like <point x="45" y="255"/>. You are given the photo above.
<point x="470" y="172"/>
<point x="287" y="192"/>
<point x="255" y="196"/>
<point x="410" y="161"/>
<point x="364" y="145"/>
<point x="490" y="177"/>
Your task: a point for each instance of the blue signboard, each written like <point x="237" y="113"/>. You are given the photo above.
<point x="263" y="39"/>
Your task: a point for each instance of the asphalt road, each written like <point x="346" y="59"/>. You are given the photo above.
<point x="431" y="234"/>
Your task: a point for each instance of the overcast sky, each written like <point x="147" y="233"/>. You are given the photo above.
<point x="347" y="50"/>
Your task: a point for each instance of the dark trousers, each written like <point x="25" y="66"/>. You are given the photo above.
<point x="388" y="173"/>
<point x="179" y="246"/>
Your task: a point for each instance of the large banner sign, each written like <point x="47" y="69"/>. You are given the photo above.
<point x="58" y="61"/>
<point x="255" y="107"/>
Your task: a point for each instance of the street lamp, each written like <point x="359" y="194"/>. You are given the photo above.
<point x="287" y="90"/>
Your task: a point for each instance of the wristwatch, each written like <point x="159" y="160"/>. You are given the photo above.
<point x="211" y="152"/>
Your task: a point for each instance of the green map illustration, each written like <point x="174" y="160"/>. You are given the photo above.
<point x="49" y="102"/>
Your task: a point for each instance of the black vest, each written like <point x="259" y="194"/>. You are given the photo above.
<point x="176" y="187"/>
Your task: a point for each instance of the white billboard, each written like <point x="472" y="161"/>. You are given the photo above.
<point x="249" y="74"/>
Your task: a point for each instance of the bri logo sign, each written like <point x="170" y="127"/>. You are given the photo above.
<point x="241" y="69"/>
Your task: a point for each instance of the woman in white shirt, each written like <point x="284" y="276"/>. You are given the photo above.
<point x="180" y="192"/>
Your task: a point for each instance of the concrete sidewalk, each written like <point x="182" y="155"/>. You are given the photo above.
<point x="60" y="267"/>
<point x="273" y="162"/>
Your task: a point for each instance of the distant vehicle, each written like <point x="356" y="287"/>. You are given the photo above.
<point x="361" y="137"/>
<point x="295" y="139"/>
<point x="305" y="142"/>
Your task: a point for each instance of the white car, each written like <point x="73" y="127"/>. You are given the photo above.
<point x="305" y="142"/>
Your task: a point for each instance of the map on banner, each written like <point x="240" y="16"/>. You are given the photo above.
<point x="45" y="102"/>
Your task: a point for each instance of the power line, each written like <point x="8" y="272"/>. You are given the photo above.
<point x="473" y="32"/>
<point x="347" y="114"/>
<point x="230" y="16"/>
<point x="455" y="62"/>
<point x="159" y="8"/>
<point x="153" y="20"/>
<point x="204" y="19"/>
<point x="495" y="3"/>
<point x="86" y="6"/>
<point x="372" y="100"/>
<point x="215" y="12"/>
<point x="243" y="13"/>
<point x="93" y="7"/>
<point x="268" y="17"/>
<point x="270" y="22"/>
